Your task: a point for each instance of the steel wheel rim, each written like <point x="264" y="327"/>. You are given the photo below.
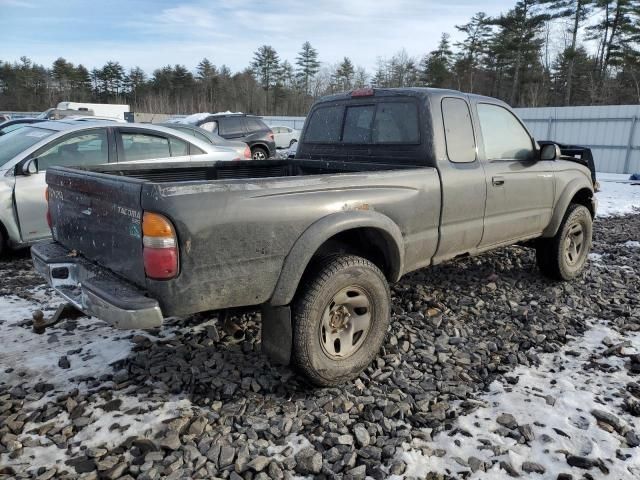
<point x="574" y="244"/>
<point x="259" y="155"/>
<point x="345" y="323"/>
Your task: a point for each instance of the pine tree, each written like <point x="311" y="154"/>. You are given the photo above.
<point x="266" y="65"/>
<point x="344" y="74"/>
<point x="436" y="66"/>
<point x="308" y="66"/>
<point x="473" y="48"/>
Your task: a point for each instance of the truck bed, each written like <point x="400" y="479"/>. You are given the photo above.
<point x="235" y="222"/>
<point x="181" y="172"/>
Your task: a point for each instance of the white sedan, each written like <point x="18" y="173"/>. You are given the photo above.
<point x="285" y="136"/>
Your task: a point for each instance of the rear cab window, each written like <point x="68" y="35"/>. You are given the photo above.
<point x="381" y="122"/>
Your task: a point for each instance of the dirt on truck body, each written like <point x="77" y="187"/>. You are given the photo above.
<point x="384" y="182"/>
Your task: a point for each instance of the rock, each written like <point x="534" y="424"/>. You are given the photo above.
<point x="362" y="436"/>
<point x="357" y="473"/>
<point x="507" y="467"/>
<point x="197" y="426"/>
<point x="227" y="455"/>
<point x="527" y="432"/>
<point x="170" y="440"/>
<point x="82" y="464"/>
<point x="64" y="363"/>
<point x="475" y="464"/>
<point x="259" y="463"/>
<point x="507" y="420"/>
<point x="632" y="439"/>
<point x="564" y="476"/>
<point x="532" y="467"/>
<point x="608" y="418"/>
<point x="580" y="462"/>
<point x="308" y="461"/>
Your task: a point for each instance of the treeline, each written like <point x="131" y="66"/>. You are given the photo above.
<point x="540" y="53"/>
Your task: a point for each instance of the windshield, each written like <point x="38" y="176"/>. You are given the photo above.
<point x="19" y="140"/>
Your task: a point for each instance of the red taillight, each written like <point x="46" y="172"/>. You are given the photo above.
<point x="247" y="153"/>
<point x="160" y="247"/>
<point x="363" y="92"/>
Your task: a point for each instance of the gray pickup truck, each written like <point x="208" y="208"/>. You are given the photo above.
<point x="384" y="182"/>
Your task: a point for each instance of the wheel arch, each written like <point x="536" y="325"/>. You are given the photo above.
<point x="575" y="192"/>
<point x="369" y="234"/>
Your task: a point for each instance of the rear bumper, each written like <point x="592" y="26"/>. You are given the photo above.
<point x="95" y="290"/>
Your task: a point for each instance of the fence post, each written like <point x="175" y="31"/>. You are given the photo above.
<point x="549" y="125"/>
<point x="627" y="158"/>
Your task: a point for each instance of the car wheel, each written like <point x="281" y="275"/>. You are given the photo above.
<point x="293" y="140"/>
<point x="340" y="318"/>
<point x="563" y="257"/>
<point x="259" y="153"/>
<point x="3" y="242"/>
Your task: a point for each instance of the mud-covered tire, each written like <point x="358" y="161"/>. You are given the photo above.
<point x="336" y="277"/>
<point x="563" y="257"/>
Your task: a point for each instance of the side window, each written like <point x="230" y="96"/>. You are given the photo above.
<point x="141" y="146"/>
<point x="325" y="125"/>
<point x="232" y="126"/>
<point x="461" y="145"/>
<point x="178" y="147"/>
<point x="210" y="126"/>
<point x="195" y="150"/>
<point x="86" y="148"/>
<point x="357" y="124"/>
<point x="255" y="125"/>
<point x="504" y="137"/>
<point x="396" y="122"/>
<point x="275" y="129"/>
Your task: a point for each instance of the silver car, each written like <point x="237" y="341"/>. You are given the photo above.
<point x="25" y="155"/>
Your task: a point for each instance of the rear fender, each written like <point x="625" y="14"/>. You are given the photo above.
<point x="322" y="230"/>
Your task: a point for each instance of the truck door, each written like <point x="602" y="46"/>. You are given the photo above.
<point x="520" y="188"/>
<point x="463" y="181"/>
<point x="88" y="147"/>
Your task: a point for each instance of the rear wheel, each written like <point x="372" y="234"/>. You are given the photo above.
<point x="3" y="242"/>
<point x="259" y="153"/>
<point x="563" y="257"/>
<point x="341" y="315"/>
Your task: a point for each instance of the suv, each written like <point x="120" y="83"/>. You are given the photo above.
<point x="237" y="126"/>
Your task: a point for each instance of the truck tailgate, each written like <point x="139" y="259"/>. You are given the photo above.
<point x="86" y="218"/>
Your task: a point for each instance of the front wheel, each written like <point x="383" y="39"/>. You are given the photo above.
<point x="340" y="315"/>
<point x="563" y="257"/>
<point x="259" y="153"/>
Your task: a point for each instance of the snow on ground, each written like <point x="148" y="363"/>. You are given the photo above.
<point x="91" y="348"/>
<point x="555" y="401"/>
<point x="617" y="196"/>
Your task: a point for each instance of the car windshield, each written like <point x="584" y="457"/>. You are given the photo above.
<point x="19" y="140"/>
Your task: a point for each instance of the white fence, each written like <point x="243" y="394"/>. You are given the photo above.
<point x="612" y="132"/>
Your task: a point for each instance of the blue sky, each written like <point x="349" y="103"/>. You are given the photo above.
<point x="153" y="33"/>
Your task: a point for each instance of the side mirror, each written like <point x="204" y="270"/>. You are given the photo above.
<point x="30" y="167"/>
<point x="550" y="151"/>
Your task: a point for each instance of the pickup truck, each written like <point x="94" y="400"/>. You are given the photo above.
<point x="384" y="182"/>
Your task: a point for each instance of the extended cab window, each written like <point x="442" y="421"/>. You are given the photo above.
<point x="178" y="147"/>
<point x="458" y="131"/>
<point x="384" y="122"/>
<point x="504" y="137"/>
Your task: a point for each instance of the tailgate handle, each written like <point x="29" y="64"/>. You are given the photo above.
<point x="497" y="181"/>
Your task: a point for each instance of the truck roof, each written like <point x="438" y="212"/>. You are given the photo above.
<point x="405" y="91"/>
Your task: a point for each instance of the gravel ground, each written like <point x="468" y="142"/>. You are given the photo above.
<point x="194" y="401"/>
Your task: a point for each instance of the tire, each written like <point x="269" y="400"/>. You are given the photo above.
<point x="331" y="310"/>
<point x="3" y="242"/>
<point x="563" y="257"/>
<point x="259" y="153"/>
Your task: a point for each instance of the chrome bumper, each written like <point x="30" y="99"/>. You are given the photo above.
<point x="95" y="290"/>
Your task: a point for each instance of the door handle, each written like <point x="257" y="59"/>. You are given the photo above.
<point x="497" y="181"/>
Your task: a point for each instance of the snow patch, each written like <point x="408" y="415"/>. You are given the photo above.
<point x="616" y="197"/>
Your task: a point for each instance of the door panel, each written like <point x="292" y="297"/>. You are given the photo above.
<point x="520" y="189"/>
<point x="89" y="147"/>
<point x="32" y="206"/>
